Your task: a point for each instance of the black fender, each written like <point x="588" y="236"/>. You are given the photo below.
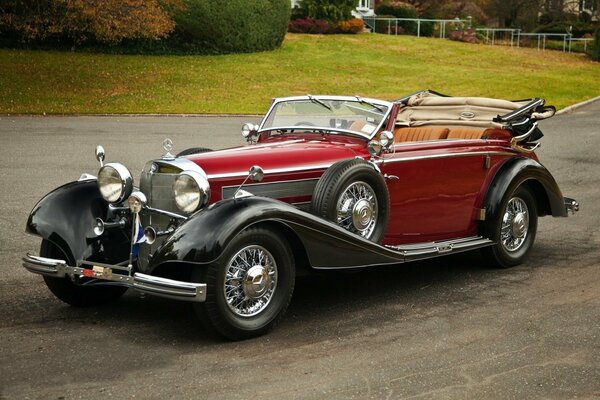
<point x="66" y="217"/>
<point x="203" y="237"/>
<point x="522" y="170"/>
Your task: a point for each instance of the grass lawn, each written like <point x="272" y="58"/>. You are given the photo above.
<point x="370" y="65"/>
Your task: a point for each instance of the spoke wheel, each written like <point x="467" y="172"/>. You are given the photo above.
<point x="513" y="230"/>
<point x="355" y="197"/>
<point x="250" y="281"/>
<point x="250" y="285"/>
<point x="357" y="209"/>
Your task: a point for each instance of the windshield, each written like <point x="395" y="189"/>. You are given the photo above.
<point x="354" y="115"/>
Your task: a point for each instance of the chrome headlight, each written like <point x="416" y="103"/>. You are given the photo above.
<point x="192" y="191"/>
<point x="115" y="182"/>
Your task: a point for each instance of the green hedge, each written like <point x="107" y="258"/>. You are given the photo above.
<point x="231" y="26"/>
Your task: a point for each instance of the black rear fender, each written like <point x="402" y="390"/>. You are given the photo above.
<point x="530" y="173"/>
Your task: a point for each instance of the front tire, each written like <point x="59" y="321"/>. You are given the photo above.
<point x="249" y="288"/>
<point x="513" y="230"/>
<point x="76" y="295"/>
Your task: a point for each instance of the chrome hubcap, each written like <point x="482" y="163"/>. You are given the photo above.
<point x="250" y="281"/>
<point x="515" y="224"/>
<point x="357" y="209"/>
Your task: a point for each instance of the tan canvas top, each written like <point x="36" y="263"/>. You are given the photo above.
<point x="429" y="109"/>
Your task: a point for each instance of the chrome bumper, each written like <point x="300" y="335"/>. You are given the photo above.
<point x="571" y="205"/>
<point x="144" y="283"/>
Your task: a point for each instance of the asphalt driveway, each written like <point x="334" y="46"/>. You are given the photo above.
<point x="447" y="328"/>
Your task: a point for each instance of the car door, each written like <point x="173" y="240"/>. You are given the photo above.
<point x="433" y="189"/>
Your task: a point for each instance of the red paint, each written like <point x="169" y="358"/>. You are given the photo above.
<point x="440" y="185"/>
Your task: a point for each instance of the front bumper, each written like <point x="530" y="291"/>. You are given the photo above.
<point x="117" y="275"/>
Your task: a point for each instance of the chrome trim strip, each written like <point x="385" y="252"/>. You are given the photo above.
<point x="243" y="174"/>
<point x="154" y="285"/>
<point x="183" y="164"/>
<point x="445" y="155"/>
<point x="279" y="189"/>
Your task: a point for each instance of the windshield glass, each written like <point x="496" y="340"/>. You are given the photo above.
<point x="361" y="116"/>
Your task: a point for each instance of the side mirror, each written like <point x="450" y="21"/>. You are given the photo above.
<point x="249" y="132"/>
<point x="100" y="154"/>
<point x="375" y="148"/>
<point x="386" y="139"/>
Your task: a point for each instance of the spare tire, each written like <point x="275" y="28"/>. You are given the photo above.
<point x="352" y="194"/>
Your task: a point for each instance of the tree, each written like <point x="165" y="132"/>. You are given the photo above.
<point x="106" y="21"/>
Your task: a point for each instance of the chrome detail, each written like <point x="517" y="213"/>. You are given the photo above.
<point x="571" y="205"/>
<point x="419" y="251"/>
<point x="100" y="155"/>
<point x="273" y="171"/>
<point x="137" y="201"/>
<point x="166" y="213"/>
<point x="256" y="173"/>
<point x="391" y="177"/>
<point x="100" y="226"/>
<point x="191" y="191"/>
<point x="515" y="224"/>
<point x="151" y="234"/>
<point x="375" y="148"/>
<point x="115" y="182"/>
<point x="487" y="161"/>
<point x="446" y="248"/>
<point x="241" y="193"/>
<point x="448" y="155"/>
<point x="168" y="146"/>
<point x="104" y="274"/>
<point x="518" y="139"/>
<point x="386" y="139"/>
<point x="250" y="281"/>
<point x="249" y="132"/>
<point x="378" y="102"/>
<point x="86" y="177"/>
<point x="480" y="214"/>
<point x="276" y="190"/>
<point x="357" y="209"/>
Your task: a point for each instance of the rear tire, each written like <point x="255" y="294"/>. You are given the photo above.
<point x="76" y="295"/>
<point x="513" y="230"/>
<point x="250" y="286"/>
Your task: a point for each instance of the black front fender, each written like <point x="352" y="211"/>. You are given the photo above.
<point x="518" y="171"/>
<point x="66" y="217"/>
<point x="203" y="238"/>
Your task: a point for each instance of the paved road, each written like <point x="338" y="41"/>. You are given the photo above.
<point x="449" y="328"/>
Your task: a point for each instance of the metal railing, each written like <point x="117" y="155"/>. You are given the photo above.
<point x="491" y="33"/>
<point x="392" y="24"/>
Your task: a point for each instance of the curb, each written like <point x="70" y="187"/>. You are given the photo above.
<point x="571" y="108"/>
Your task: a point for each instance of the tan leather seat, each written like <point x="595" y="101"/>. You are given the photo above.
<point x="420" y="133"/>
<point x="461" y="132"/>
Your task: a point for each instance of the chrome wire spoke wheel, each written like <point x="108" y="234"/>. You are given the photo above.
<point x="357" y="209"/>
<point x="250" y="281"/>
<point x="515" y="224"/>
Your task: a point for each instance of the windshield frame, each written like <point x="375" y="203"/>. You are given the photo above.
<point x="327" y="129"/>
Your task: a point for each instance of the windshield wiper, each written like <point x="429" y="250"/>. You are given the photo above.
<point x="317" y="101"/>
<point x="363" y="101"/>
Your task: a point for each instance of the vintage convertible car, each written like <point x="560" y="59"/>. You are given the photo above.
<point x="334" y="182"/>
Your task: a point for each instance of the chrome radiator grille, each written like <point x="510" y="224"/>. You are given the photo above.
<point x="158" y="188"/>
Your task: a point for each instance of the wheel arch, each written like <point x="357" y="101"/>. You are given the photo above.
<point x="528" y="172"/>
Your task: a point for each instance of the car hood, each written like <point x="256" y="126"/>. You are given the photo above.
<point x="278" y="156"/>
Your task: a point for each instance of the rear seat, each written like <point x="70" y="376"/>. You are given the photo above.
<point x="461" y="132"/>
<point x="420" y="133"/>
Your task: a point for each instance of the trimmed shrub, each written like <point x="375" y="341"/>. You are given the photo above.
<point x="328" y="10"/>
<point x="231" y="26"/>
<point x="309" y="25"/>
<point x="354" y="25"/>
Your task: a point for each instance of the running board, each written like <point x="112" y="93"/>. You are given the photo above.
<point x="420" y="251"/>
